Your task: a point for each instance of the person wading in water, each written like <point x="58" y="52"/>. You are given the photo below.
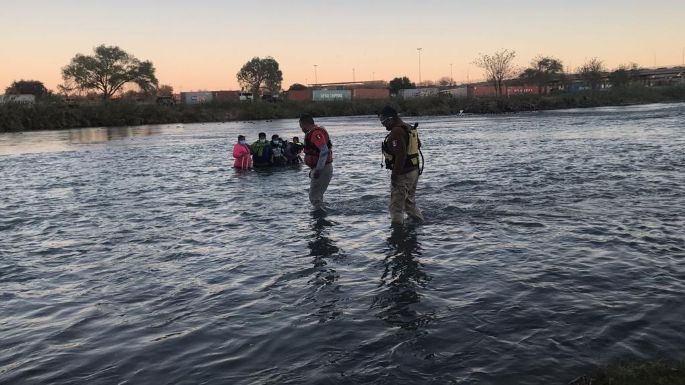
<point x="318" y="155"/>
<point x="401" y="153"/>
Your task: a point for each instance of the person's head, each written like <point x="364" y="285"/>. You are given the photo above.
<point x="306" y="122"/>
<point x="262" y="137"/>
<point x="275" y="138"/>
<point x="296" y="139"/>
<point x="387" y="116"/>
<point x="241" y="139"/>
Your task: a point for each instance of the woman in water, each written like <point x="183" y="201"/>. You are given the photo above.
<point x="241" y="153"/>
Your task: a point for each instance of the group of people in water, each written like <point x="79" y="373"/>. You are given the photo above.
<point x="401" y="150"/>
<point x="264" y="153"/>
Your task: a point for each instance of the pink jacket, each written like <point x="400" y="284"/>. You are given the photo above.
<point x="241" y="153"/>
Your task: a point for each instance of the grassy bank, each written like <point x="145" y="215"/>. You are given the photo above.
<point x="122" y="113"/>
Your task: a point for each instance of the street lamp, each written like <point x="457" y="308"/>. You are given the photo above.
<point x="316" y="78"/>
<point x="419" y="49"/>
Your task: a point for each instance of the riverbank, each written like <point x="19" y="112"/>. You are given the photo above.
<point x="123" y="113"/>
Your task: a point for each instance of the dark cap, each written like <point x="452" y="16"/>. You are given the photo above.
<point x="274" y="136"/>
<point x="387" y="112"/>
<point x="262" y="135"/>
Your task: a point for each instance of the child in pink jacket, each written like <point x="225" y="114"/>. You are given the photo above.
<point x="241" y="153"/>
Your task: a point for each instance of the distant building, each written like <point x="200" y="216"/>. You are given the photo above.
<point x="655" y="77"/>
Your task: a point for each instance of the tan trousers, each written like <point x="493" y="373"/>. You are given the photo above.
<point x="318" y="186"/>
<point x="403" y="197"/>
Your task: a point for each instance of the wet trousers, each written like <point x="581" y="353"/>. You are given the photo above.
<point x="403" y="197"/>
<point x="318" y="186"/>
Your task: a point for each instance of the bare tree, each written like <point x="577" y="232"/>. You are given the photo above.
<point x="591" y="72"/>
<point x="67" y="88"/>
<point x="498" y="67"/>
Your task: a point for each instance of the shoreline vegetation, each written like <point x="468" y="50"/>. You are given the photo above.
<point x="59" y="115"/>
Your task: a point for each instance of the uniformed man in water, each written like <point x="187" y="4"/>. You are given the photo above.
<point x="318" y="155"/>
<point x="401" y="153"/>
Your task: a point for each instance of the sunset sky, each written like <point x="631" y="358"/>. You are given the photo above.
<point x="201" y="44"/>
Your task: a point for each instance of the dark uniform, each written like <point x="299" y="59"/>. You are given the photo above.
<point x="401" y="151"/>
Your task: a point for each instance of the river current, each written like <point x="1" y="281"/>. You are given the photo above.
<point x="554" y="242"/>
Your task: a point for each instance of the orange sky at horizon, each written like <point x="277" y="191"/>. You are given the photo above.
<point x="201" y="46"/>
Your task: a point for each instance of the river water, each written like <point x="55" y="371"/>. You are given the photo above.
<point x="554" y="241"/>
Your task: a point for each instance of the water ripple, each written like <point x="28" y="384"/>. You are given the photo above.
<point x="553" y="242"/>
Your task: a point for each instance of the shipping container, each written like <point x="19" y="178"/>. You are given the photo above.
<point x="226" y="96"/>
<point x="331" y="95"/>
<point x="370" y="93"/>
<point x="458" y="92"/>
<point x="577" y="87"/>
<point x="27" y="99"/>
<point x="196" y="97"/>
<point x="408" y="93"/>
<point x="301" y="95"/>
<point x="418" y="92"/>
<point x="475" y="91"/>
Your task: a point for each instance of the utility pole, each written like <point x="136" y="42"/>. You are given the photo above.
<point x="451" y="76"/>
<point x="316" y="78"/>
<point x="419" y="49"/>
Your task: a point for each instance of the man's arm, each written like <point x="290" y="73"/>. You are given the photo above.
<point x="323" y="155"/>
<point x="398" y="146"/>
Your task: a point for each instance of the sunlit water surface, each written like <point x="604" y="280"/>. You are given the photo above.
<point x="554" y="241"/>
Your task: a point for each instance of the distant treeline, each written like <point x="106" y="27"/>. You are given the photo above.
<point x="57" y="115"/>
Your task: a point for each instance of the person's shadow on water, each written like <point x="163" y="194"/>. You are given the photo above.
<point x="401" y="281"/>
<point x="321" y="249"/>
<point x="321" y="246"/>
